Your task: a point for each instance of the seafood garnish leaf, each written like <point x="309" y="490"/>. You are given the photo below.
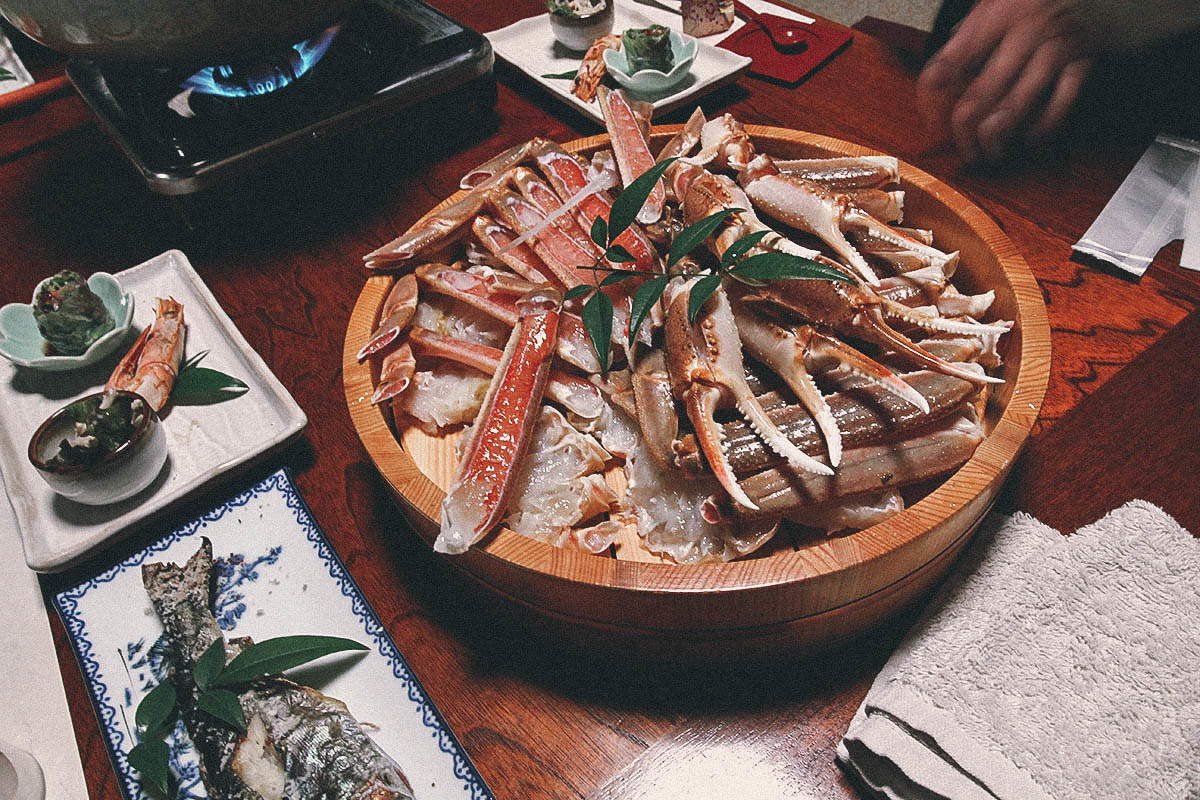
<point x="283" y="652"/>
<point x="599" y="232"/>
<point x="739" y="248"/>
<point x="209" y="664"/>
<point x="578" y="291"/>
<point x="785" y="266"/>
<point x="568" y="75"/>
<point x="616" y="277"/>
<point x="598" y="319"/>
<point x="701" y="291"/>
<point x="691" y="236"/>
<point x="155" y="708"/>
<point x="5" y="75"/>
<point x="223" y="704"/>
<point x="150" y="758"/>
<point x="201" y="386"/>
<point x="643" y="300"/>
<point x="631" y="199"/>
<point x="619" y="254"/>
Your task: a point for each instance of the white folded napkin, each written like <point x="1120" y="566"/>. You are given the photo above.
<point x="1152" y="207"/>
<point x="1046" y="667"/>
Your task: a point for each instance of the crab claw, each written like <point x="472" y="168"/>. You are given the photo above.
<point x="398" y="309"/>
<point x="495" y="448"/>
<point x="395" y="374"/>
<point x="705" y="360"/>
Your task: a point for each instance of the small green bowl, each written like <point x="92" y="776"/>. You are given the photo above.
<point x="21" y="342"/>
<point x="653" y="81"/>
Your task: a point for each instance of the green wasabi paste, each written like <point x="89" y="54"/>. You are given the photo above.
<point x="648" y="48"/>
<point x="69" y="315"/>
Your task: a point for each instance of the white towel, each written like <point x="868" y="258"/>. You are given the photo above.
<point x="1046" y="667"/>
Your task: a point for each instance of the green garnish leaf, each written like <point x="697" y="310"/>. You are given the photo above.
<point x="619" y="254"/>
<point x="5" y="75"/>
<point x="150" y="759"/>
<point x="223" y="704"/>
<point x="209" y="664"/>
<point x="597" y="317"/>
<point x="785" y="266"/>
<point x="631" y="199"/>
<point x="739" y="248"/>
<point x="691" y="236"/>
<point x="201" y="386"/>
<point x="600" y="231"/>
<point x="569" y="75"/>
<point x="701" y="291"/>
<point x="643" y="300"/>
<point x="155" y="708"/>
<point x="284" y="652"/>
<point x="578" y="291"/>
<point x="616" y="277"/>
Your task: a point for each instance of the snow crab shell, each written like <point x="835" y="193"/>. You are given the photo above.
<point x="793" y="595"/>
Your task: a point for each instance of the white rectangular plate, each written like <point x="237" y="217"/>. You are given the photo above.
<point x="279" y="576"/>
<point x="202" y="441"/>
<point x="530" y="46"/>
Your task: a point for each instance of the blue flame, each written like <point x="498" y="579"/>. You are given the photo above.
<point x="267" y="76"/>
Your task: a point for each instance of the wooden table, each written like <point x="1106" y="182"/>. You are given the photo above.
<point x="1119" y="419"/>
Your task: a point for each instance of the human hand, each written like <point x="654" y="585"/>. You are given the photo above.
<point x="1009" y="73"/>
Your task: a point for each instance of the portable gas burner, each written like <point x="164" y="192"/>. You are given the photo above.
<point x="187" y="132"/>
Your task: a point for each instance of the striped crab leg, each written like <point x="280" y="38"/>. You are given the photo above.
<point x="495" y="294"/>
<point x="572" y="392"/>
<point x="495" y="448"/>
<point x="631" y="148"/>
<point x="848" y="172"/>
<point x="499" y="242"/>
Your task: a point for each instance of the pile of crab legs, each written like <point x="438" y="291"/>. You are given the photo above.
<point x="525" y="217"/>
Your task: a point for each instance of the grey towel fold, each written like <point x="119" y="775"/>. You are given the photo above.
<point x="1046" y="667"/>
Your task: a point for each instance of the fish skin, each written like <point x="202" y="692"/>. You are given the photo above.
<point x="323" y="750"/>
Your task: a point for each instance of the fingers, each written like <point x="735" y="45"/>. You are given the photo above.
<point x="1010" y="60"/>
<point x="1066" y="91"/>
<point x="1024" y="100"/>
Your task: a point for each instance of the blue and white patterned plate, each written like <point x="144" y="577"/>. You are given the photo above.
<point x="279" y="576"/>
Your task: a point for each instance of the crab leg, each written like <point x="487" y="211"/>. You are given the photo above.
<point x="495" y="448"/>
<point x="562" y="255"/>
<point x="631" y="148"/>
<point x="398" y="309"/>
<point x="883" y="206"/>
<point x="493" y="295"/>
<point x="655" y="406"/>
<point x="572" y="392"/>
<point x="499" y="242"/>
<point x="568" y="177"/>
<point x="841" y="174"/>
<point x="855" y="311"/>
<point x="863" y="469"/>
<point x="865" y="415"/>
<point x="540" y="194"/>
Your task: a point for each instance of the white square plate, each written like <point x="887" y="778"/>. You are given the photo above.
<point x="202" y="441"/>
<point x="530" y="46"/>
<point x="277" y="571"/>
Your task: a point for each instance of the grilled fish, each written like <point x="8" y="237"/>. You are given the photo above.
<point x="299" y="744"/>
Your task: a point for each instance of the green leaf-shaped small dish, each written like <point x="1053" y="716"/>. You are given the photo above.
<point x="21" y="342"/>
<point x="653" y="81"/>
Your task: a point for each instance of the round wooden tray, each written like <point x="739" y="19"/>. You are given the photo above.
<point x="792" y="597"/>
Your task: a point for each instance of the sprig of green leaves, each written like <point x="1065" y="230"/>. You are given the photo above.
<point x="6" y="75"/>
<point x="201" y="386"/>
<point x="754" y="270"/>
<point x="158" y="711"/>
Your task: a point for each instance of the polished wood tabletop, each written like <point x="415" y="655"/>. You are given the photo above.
<point x="283" y="255"/>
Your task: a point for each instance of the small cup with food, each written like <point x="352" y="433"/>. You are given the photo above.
<point x="578" y="23"/>
<point x="100" y="449"/>
<point x="71" y="322"/>
<point x="651" y="61"/>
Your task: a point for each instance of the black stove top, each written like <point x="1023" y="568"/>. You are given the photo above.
<point x="387" y="56"/>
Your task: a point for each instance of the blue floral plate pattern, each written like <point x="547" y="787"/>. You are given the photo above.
<point x="277" y="572"/>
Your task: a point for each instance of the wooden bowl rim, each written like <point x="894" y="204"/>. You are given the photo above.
<point x="991" y="461"/>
